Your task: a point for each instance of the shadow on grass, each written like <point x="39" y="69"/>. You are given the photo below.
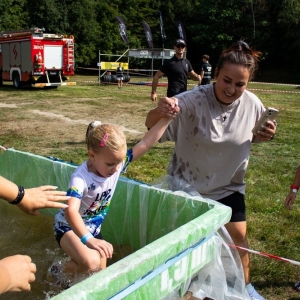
<point x="75" y="143"/>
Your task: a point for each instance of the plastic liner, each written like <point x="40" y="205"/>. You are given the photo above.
<point x="178" y="240"/>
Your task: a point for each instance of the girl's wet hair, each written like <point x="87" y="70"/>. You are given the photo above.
<point x="100" y="135"/>
<point x="240" y="54"/>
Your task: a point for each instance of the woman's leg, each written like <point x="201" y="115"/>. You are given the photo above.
<point x="237" y="231"/>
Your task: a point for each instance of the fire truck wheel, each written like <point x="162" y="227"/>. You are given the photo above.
<point x="16" y="80"/>
<point x="1" y="81"/>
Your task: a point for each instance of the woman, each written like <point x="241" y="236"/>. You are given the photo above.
<point x="213" y="135"/>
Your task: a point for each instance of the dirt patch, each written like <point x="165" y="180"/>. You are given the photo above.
<point x="79" y="121"/>
<point x="49" y="121"/>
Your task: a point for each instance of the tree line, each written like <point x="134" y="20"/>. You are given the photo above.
<point x="270" y="26"/>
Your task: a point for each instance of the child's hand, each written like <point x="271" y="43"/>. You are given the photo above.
<point x="104" y="248"/>
<point x="289" y="200"/>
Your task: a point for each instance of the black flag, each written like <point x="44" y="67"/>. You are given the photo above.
<point x="122" y="29"/>
<point x="148" y="34"/>
<point x="181" y="31"/>
<point x="163" y="35"/>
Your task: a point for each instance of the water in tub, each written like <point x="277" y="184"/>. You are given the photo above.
<point x="33" y="236"/>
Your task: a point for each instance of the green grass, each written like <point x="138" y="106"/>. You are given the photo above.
<point x="271" y="228"/>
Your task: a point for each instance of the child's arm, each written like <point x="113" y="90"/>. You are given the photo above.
<point x="76" y="223"/>
<point x="290" y="199"/>
<point x="150" y="138"/>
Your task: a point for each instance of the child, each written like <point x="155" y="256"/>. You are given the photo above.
<point x="77" y="228"/>
<point x="289" y="202"/>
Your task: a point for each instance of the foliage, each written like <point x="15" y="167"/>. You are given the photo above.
<point x="271" y="26"/>
<point x="13" y="15"/>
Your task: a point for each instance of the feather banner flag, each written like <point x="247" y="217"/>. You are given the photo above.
<point x="181" y="31"/>
<point x="163" y="35"/>
<point x="122" y="29"/>
<point x="148" y="34"/>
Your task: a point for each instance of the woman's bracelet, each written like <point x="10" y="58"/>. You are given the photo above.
<point x="86" y="237"/>
<point x="20" y="196"/>
<point x="294" y="188"/>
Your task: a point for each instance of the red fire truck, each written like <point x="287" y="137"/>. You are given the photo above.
<point x="32" y="57"/>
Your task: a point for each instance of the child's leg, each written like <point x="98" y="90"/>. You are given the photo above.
<point x="83" y="259"/>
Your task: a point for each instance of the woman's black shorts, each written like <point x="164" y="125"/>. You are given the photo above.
<point x="237" y="203"/>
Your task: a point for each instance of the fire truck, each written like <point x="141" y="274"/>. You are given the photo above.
<point x="32" y="57"/>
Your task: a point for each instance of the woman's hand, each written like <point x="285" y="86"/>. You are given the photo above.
<point x="267" y="131"/>
<point x="42" y="197"/>
<point x="289" y="200"/>
<point x="18" y="272"/>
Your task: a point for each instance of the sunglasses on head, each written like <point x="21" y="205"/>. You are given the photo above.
<point x="180" y="46"/>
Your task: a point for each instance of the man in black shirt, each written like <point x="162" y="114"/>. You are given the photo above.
<point x="177" y="70"/>
<point x="206" y="70"/>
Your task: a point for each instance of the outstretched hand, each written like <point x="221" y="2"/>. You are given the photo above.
<point x="42" y="197"/>
<point x="19" y="272"/>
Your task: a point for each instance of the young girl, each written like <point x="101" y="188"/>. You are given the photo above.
<point x="92" y="185"/>
<point x="289" y="202"/>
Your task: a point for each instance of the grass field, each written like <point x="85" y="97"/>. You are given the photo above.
<point x="53" y="123"/>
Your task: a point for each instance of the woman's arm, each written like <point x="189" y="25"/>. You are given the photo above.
<point x="33" y="199"/>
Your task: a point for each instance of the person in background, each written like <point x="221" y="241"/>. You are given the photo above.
<point x="177" y="69"/>
<point x="78" y="228"/>
<point x="289" y="202"/>
<point x="120" y="75"/>
<point x="213" y="136"/>
<point x="205" y="70"/>
<point x="18" y="271"/>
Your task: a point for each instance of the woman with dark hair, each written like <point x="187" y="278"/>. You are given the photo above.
<point x="213" y="136"/>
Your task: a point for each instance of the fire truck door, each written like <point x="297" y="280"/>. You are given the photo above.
<point x="26" y="60"/>
<point x="15" y="54"/>
<point x="5" y="58"/>
<point x="53" y="57"/>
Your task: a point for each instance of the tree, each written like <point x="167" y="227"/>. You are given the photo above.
<point x="13" y="15"/>
<point x="289" y="21"/>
